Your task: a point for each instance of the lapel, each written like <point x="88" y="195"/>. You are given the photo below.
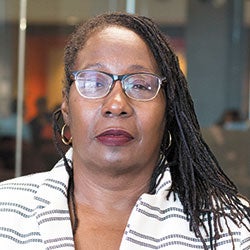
<point x="52" y="212"/>
<point x="141" y="219"/>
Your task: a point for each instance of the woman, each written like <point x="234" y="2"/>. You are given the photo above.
<point x="139" y="175"/>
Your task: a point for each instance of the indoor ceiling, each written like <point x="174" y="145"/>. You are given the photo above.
<point x="70" y="12"/>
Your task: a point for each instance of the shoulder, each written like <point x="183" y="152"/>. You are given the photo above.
<point x="18" y="203"/>
<point x="23" y="197"/>
<point x="21" y="187"/>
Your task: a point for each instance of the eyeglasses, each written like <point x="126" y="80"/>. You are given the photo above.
<point x="94" y="84"/>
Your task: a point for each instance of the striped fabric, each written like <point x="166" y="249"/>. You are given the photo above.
<point x="34" y="215"/>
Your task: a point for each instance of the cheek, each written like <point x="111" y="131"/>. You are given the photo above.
<point x="81" y="119"/>
<point x="152" y="124"/>
<point x="156" y="114"/>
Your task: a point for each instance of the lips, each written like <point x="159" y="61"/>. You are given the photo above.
<point x="114" y="137"/>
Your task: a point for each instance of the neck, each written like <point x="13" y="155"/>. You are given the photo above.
<point x="107" y="192"/>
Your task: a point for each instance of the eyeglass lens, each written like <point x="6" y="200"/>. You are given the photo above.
<point x="139" y="86"/>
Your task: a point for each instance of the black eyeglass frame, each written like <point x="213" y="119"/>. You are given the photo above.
<point x="120" y="78"/>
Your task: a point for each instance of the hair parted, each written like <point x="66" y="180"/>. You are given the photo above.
<point x="197" y="178"/>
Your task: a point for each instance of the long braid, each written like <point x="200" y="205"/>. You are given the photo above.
<point x="198" y="180"/>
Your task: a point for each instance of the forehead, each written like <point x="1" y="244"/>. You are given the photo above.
<point x="115" y="32"/>
<point x="116" y="44"/>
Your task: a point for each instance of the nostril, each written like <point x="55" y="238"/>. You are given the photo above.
<point x="123" y="113"/>
<point x="110" y="113"/>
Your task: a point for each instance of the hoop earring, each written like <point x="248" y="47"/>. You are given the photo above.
<point x="169" y="139"/>
<point x="64" y="139"/>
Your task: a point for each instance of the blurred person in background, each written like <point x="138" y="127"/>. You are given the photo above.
<point x="8" y="137"/>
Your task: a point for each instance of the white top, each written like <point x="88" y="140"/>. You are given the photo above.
<point x="34" y="215"/>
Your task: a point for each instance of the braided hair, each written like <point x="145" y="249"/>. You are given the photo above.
<point x="197" y="179"/>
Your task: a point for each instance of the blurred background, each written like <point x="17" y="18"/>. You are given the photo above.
<point x="210" y="37"/>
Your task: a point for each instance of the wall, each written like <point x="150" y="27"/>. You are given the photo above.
<point x="215" y="58"/>
<point x="232" y="151"/>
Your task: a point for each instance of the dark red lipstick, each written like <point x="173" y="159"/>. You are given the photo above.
<point x="114" y="137"/>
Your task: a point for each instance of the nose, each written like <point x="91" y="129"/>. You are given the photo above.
<point x="117" y="103"/>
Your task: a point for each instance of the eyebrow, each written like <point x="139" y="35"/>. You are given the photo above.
<point x="133" y="67"/>
<point x="139" y="68"/>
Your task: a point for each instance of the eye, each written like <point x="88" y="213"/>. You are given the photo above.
<point x="140" y="84"/>
<point x="94" y="83"/>
<point x="90" y="83"/>
<point x="99" y="84"/>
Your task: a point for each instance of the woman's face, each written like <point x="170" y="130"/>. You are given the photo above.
<point x="115" y="133"/>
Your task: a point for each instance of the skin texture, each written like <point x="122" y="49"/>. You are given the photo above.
<point x="112" y="171"/>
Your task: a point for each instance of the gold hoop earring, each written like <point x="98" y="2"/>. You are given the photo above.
<point x="169" y="139"/>
<point x="64" y="139"/>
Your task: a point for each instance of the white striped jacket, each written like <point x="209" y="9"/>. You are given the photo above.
<point x="34" y="215"/>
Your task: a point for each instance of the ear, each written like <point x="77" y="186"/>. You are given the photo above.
<point x="65" y="107"/>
